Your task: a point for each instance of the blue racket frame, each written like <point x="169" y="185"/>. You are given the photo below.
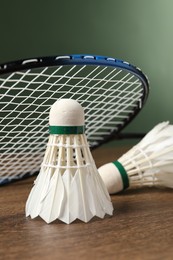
<point x="84" y="59"/>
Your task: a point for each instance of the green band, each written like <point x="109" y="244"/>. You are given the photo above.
<point x="66" y="130"/>
<point x="123" y="173"/>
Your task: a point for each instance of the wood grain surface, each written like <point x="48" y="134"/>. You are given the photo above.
<point x="140" y="228"/>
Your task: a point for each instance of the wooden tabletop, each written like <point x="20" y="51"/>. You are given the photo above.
<point x="140" y="228"/>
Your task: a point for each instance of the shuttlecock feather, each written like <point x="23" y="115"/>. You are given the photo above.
<point x="149" y="163"/>
<point x="68" y="186"/>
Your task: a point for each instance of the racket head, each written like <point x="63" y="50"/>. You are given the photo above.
<point x="111" y="91"/>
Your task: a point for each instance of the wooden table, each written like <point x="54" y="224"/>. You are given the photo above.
<point x="141" y="226"/>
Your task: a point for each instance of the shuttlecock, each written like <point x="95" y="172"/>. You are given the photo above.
<point x="149" y="163"/>
<point x="68" y="186"/>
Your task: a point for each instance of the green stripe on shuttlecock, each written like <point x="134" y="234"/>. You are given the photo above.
<point x="66" y="130"/>
<point x="123" y="173"/>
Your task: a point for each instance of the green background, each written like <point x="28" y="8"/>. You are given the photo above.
<point x="140" y="32"/>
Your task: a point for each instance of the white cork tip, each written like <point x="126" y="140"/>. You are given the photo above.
<point x="111" y="178"/>
<point x="66" y="112"/>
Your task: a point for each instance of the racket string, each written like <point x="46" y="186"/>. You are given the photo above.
<point x="108" y="95"/>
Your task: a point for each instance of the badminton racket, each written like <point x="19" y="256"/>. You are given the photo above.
<point x="111" y="91"/>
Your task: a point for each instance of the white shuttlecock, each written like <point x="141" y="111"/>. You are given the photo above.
<point x="68" y="186"/>
<point x="149" y="163"/>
